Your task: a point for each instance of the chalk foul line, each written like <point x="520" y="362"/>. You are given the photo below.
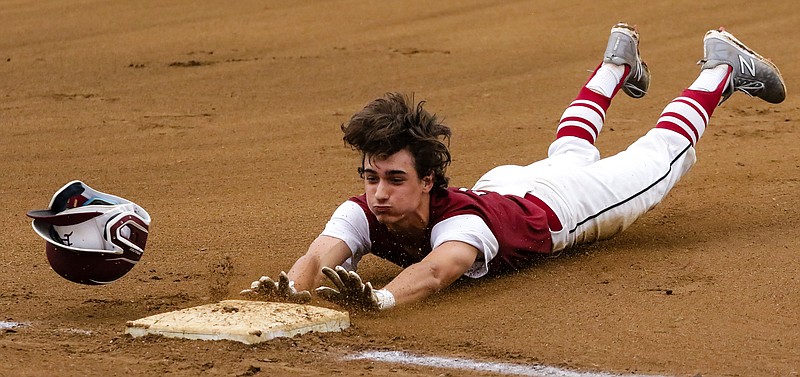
<point x="400" y="357"/>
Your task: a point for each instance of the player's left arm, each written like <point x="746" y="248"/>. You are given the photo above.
<point x="440" y="268"/>
<point x="443" y="266"/>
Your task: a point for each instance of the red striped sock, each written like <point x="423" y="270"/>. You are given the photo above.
<point x="585" y="116"/>
<point x="690" y="113"/>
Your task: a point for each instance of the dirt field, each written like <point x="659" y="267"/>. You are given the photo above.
<point x="222" y="121"/>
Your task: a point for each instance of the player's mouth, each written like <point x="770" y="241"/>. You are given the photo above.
<point x="381" y="209"/>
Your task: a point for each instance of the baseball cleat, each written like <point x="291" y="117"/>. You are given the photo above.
<point x="752" y="73"/>
<point x="623" y="48"/>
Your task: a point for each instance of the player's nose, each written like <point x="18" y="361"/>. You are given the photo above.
<point x="382" y="190"/>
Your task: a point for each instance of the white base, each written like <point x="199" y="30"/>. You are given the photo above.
<point x="242" y="321"/>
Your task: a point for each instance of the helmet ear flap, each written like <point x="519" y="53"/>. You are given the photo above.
<point x="92" y="237"/>
<point x="127" y="231"/>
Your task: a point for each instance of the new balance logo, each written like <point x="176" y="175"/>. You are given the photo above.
<point x="750" y="67"/>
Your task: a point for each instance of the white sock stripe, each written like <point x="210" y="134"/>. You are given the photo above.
<point x="592" y="104"/>
<point x="699" y="108"/>
<point x="582" y="112"/>
<point x="680" y="123"/>
<point x="582" y="125"/>
<point x="688" y="112"/>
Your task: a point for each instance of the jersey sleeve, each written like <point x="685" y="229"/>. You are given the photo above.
<point x="349" y="224"/>
<point x="472" y="230"/>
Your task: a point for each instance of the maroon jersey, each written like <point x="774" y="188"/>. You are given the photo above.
<point x="519" y="225"/>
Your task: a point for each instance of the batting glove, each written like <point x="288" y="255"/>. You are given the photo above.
<point x="352" y="293"/>
<point x="268" y="290"/>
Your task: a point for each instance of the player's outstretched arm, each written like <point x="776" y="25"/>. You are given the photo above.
<point x="439" y="269"/>
<point x="443" y="266"/>
<point x="323" y="252"/>
<point x="303" y="276"/>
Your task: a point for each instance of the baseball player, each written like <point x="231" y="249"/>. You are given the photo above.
<point x="513" y="214"/>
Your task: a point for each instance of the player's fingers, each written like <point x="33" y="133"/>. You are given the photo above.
<point x="350" y="279"/>
<point x="367" y="294"/>
<point x="329" y="294"/>
<point x="343" y="276"/>
<point x="355" y="282"/>
<point x="266" y="280"/>
<point x="283" y="284"/>
<point x="334" y="277"/>
<point x="251" y="294"/>
<point x="266" y="286"/>
<point x="354" y="277"/>
<point x="301" y="297"/>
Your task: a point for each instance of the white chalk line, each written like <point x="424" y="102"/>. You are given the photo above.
<point x="400" y="357"/>
<point x="7" y="325"/>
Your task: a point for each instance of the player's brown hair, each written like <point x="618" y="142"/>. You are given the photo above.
<point x="392" y="123"/>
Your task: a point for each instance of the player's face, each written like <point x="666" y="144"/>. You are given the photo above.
<point x="395" y="193"/>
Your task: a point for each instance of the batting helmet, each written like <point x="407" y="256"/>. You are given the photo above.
<point x="92" y="237"/>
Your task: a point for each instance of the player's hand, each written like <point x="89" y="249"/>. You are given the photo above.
<point x="352" y="293"/>
<point x="268" y="290"/>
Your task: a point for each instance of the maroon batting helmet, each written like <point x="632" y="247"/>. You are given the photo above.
<point x="92" y="237"/>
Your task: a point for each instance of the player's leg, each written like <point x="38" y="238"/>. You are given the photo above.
<point x="622" y="68"/>
<point x="604" y="198"/>
<point x="582" y="121"/>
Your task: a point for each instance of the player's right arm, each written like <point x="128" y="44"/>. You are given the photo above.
<point x="347" y="230"/>
<point x="325" y="251"/>
<point x="304" y="275"/>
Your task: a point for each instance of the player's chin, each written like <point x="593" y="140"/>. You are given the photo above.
<point x="386" y="218"/>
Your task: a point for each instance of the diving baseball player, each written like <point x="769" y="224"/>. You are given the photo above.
<point x="512" y="214"/>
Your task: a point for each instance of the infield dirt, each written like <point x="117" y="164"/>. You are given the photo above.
<point x="222" y="120"/>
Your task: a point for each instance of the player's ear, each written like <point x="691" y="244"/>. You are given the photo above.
<point x="427" y="182"/>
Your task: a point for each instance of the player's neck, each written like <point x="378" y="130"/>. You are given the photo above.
<point x="410" y="233"/>
<point x="415" y="224"/>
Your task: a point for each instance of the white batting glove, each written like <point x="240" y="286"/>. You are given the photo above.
<point x="268" y="290"/>
<point x="352" y="293"/>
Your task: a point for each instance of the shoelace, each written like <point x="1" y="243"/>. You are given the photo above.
<point x="635" y="89"/>
<point x="637" y="75"/>
<point x="748" y="86"/>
